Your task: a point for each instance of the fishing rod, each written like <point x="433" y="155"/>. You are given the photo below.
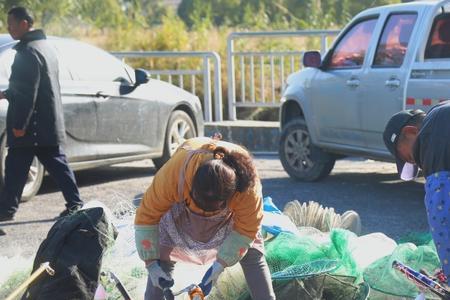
<point x="421" y="280"/>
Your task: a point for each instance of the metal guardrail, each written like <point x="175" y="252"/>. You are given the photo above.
<point x="267" y="62"/>
<point x="204" y="71"/>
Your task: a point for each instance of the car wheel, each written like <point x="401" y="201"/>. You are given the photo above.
<point x="35" y="174"/>
<point x="179" y="128"/>
<point x="299" y="157"/>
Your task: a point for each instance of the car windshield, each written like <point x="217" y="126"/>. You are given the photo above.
<point x="6" y="59"/>
<point x="97" y="65"/>
<point x="89" y="63"/>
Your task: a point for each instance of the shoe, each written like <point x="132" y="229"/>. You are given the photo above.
<point x="69" y="211"/>
<point x="4" y="216"/>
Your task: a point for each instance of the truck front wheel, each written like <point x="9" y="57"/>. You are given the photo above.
<point x="300" y="158"/>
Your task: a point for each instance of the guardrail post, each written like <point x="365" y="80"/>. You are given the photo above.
<point x="218" y="115"/>
<point x="231" y="80"/>
<point x="323" y="44"/>
<point x="207" y="89"/>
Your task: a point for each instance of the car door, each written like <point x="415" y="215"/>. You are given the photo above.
<point x="430" y="73"/>
<point x="121" y="121"/>
<point x="385" y="81"/>
<point x="79" y="106"/>
<point x="125" y="116"/>
<point x="79" y="109"/>
<point x="335" y="91"/>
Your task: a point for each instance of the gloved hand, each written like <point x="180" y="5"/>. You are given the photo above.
<point x="210" y="277"/>
<point x="158" y="277"/>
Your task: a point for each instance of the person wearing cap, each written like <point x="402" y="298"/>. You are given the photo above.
<point x="420" y="140"/>
<point x="204" y="206"/>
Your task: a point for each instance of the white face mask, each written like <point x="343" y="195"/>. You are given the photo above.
<point x="409" y="172"/>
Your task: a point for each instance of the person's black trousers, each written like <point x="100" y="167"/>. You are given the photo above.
<point x="17" y="166"/>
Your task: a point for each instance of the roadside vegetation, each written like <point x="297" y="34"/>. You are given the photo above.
<point x="197" y="25"/>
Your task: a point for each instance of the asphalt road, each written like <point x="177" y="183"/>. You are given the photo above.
<point x="371" y="188"/>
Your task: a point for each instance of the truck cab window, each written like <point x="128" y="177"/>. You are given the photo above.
<point x="438" y="45"/>
<point x="394" y="40"/>
<point x="351" y="49"/>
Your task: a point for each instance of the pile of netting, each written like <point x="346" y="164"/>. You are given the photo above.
<point x="311" y="265"/>
<point x="361" y="262"/>
<point x="312" y="253"/>
<point x="333" y="262"/>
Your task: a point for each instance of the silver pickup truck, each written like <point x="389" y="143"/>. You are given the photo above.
<point x="386" y="59"/>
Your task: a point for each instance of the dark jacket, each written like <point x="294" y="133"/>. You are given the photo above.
<point x="34" y="94"/>
<point x="432" y="146"/>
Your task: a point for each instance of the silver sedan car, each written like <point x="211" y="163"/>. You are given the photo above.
<point x="113" y="113"/>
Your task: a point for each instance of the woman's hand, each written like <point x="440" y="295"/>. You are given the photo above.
<point x="158" y="277"/>
<point x="18" y="132"/>
<point x="210" y="277"/>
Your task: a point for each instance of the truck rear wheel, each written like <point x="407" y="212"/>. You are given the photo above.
<point x="300" y="158"/>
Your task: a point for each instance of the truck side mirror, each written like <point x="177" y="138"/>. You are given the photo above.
<point x="312" y="59"/>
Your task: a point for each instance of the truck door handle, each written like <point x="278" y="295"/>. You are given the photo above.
<point x="393" y="83"/>
<point x="353" y="82"/>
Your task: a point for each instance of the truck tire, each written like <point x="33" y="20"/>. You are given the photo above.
<point x="35" y="174"/>
<point x="300" y="158"/>
<point x="179" y="128"/>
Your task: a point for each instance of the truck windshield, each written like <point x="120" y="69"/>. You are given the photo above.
<point x="351" y="49"/>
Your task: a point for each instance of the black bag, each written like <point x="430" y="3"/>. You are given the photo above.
<point x="74" y="247"/>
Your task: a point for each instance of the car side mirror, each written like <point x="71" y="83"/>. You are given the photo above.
<point x="142" y="76"/>
<point x="312" y="59"/>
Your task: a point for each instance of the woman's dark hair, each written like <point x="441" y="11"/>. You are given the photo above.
<point x="216" y="180"/>
<point x="21" y="13"/>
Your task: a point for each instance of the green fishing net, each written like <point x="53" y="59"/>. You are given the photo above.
<point x="288" y="250"/>
<point x="308" y="255"/>
<point x="350" y="280"/>
<point x="306" y="270"/>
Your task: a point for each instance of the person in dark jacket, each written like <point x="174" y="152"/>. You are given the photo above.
<point x="35" y="119"/>
<point x="419" y="140"/>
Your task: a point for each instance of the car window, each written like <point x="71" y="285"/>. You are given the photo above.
<point x="7" y="59"/>
<point x="352" y="48"/>
<point x="393" y="44"/>
<point x="438" y="45"/>
<point x="89" y="63"/>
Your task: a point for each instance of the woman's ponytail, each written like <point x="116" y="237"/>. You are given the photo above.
<point x="242" y="165"/>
